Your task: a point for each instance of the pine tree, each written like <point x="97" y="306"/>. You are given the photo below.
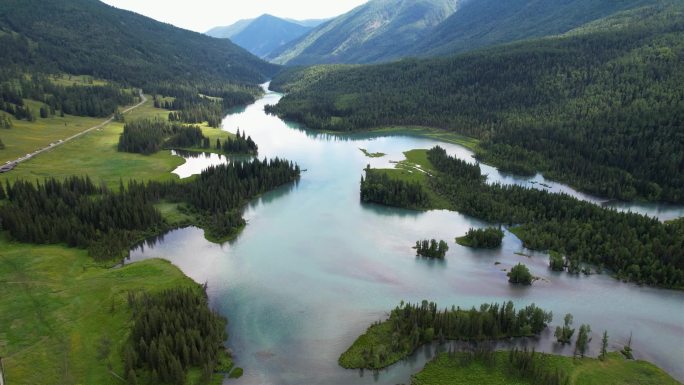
<point x="604" y="346"/>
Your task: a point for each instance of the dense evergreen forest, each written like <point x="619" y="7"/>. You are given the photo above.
<point x="205" y="76"/>
<point x="147" y="136"/>
<point x="92" y="38"/>
<point x="431" y="248"/>
<point x="173" y="331"/>
<point x="241" y="144"/>
<point x="82" y="214"/>
<point x="377" y="187"/>
<point x="601" y="108"/>
<point x="631" y="246"/>
<point x="79" y="100"/>
<point x="488" y="238"/>
<point x="409" y="326"/>
<point x="193" y="107"/>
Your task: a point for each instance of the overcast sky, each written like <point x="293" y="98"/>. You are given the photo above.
<point x="201" y="15"/>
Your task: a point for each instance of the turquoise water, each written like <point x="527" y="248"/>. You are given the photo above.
<point x="314" y="267"/>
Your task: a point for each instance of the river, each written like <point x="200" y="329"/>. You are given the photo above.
<point x="315" y="267"/>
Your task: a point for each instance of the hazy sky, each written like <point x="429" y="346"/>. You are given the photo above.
<point x="201" y="15"/>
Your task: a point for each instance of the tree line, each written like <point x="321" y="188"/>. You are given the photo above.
<point x="412" y="325"/>
<point x="147" y="136"/>
<point x="601" y="110"/>
<point x="82" y="214"/>
<point x="192" y="106"/>
<point x="378" y="187"/>
<point x="79" y="100"/>
<point x="431" y="248"/>
<point x="241" y="144"/>
<point x="172" y="332"/>
<point x="487" y="238"/>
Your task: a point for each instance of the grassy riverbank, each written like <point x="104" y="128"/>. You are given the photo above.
<point x="615" y="370"/>
<point x="96" y="154"/>
<point x="66" y="317"/>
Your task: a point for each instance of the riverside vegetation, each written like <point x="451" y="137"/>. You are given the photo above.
<point x="409" y="326"/>
<point x="634" y="247"/>
<point x="488" y="238"/>
<point x="598" y="108"/>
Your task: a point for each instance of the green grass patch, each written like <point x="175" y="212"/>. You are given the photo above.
<point x="65" y="318"/>
<point x="615" y="370"/>
<point x="76" y="80"/>
<point x="372" y="154"/>
<point x="417" y="168"/>
<point x="96" y="155"/>
<point x="26" y="137"/>
<point x="375" y="338"/>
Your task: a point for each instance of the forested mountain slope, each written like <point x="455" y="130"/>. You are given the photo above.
<point x="87" y="37"/>
<point x="601" y="108"/>
<point x="377" y="30"/>
<point x="481" y="23"/>
<point x="384" y="30"/>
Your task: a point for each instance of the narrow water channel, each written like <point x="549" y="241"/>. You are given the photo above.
<point x="315" y="267"/>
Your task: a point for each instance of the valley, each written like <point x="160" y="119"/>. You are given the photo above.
<point x="368" y="192"/>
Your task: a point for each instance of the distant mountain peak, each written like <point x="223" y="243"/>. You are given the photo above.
<point x="262" y="35"/>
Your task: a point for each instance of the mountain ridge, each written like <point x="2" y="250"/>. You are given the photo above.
<point x="436" y="28"/>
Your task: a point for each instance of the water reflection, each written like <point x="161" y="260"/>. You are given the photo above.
<point x="315" y="267"/>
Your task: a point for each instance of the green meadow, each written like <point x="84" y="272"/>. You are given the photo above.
<point x="615" y="370"/>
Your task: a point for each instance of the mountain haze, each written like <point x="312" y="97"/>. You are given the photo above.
<point x="230" y="30"/>
<point x="267" y="33"/>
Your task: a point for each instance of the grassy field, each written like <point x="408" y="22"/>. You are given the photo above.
<point x="615" y="370"/>
<point x="94" y="154"/>
<point x="65" y="318"/>
<point x="433" y="133"/>
<point x="27" y="137"/>
<point x="417" y="168"/>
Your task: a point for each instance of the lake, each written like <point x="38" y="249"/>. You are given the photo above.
<point x="315" y="267"/>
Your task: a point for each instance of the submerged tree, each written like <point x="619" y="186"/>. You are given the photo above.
<point x="604" y="346"/>
<point x="520" y="274"/>
<point x="583" y="339"/>
<point x="564" y="334"/>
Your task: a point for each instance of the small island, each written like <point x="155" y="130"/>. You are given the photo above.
<point x="488" y="238"/>
<point x="520" y="275"/>
<point x="372" y="154"/>
<point x="431" y="249"/>
<point x="410" y="326"/>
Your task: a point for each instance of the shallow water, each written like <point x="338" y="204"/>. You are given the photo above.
<point x="315" y="267"/>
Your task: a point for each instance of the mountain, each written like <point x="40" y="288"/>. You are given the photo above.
<point x="229" y="31"/>
<point x="599" y="107"/>
<point x="378" y="30"/>
<point x="87" y="37"/>
<point x="383" y="30"/>
<point x="311" y="23"/>
<point x="481" y="23"/>
<point x="267" y="33"/>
